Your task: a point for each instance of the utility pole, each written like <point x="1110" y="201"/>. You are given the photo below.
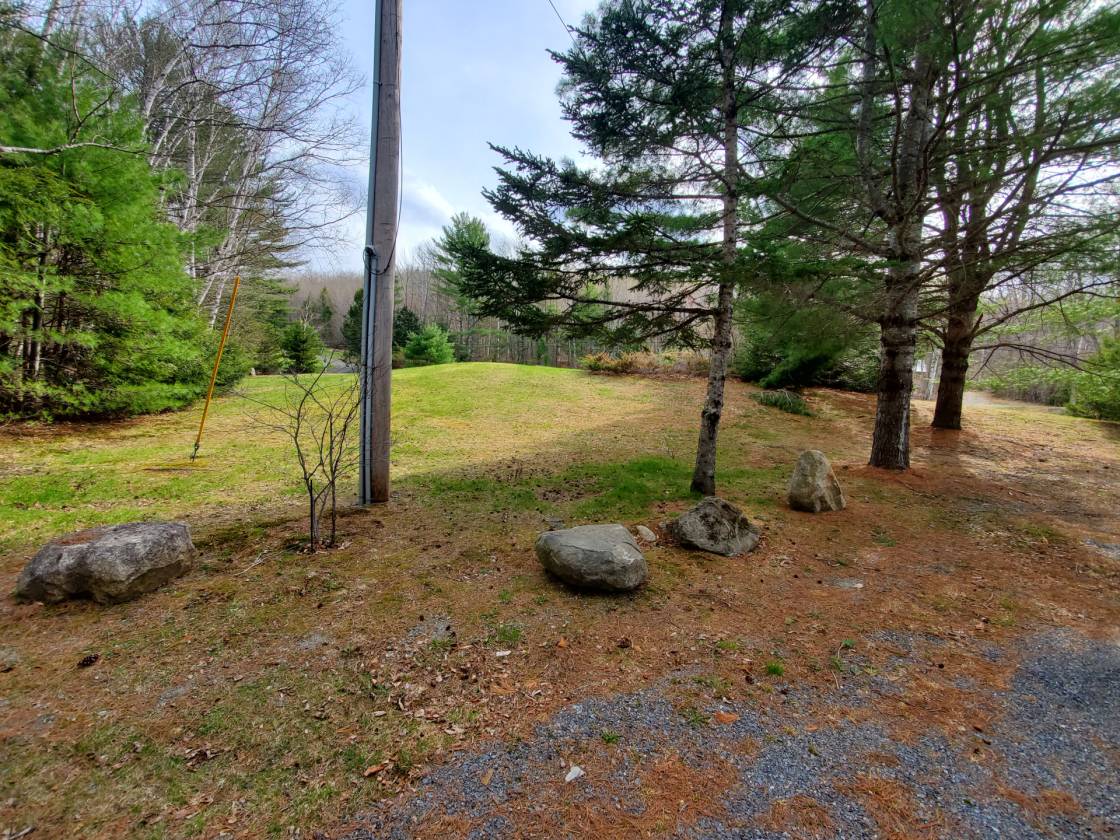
<point x="381" y="236"/>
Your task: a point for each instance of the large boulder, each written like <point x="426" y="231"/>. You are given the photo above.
<point x="594" y="557"/>
<point x="109" y="564"/>
<point x="716" y="526"/>
<point x="813" y="486"/>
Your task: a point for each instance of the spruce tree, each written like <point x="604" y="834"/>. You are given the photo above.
<point x="654" y="240"/>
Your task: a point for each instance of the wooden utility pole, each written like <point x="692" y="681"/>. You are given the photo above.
<point x="381" y="237"/>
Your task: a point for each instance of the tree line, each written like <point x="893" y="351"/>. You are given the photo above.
<point x="898" y="165"/>
<point x="147" y="156"/>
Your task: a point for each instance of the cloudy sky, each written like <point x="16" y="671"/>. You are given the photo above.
<point x="472" y="73"/>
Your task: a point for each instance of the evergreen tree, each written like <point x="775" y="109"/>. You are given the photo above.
<point x="352" y="328"/>
<point x="406" y="324"/>
<point x="430" y="346"/>
<point x="1030" y="151"/>
<point x="302" y="348"/>
<point x="788" y="343"/>
<point x="464" y="234"/>
<point x="653" y="242"/>
<point x="97" y="315"/>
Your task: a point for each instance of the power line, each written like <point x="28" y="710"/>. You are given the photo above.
<point x="563" y="22"/>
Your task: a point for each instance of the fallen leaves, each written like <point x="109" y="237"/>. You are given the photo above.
<point x="374" y="769"/>
<point x="725" y="717"/>
<point x="201" y="755"/>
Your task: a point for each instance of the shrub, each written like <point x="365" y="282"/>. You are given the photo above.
<point x="678" y="362"/>
<point x="606" y="363"/>
<point x="1096" y="392"/>
<point x="783" y="400"/>
<point x="430" y="346"/>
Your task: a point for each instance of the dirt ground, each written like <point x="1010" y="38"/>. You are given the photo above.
<point x="429" y="679"/>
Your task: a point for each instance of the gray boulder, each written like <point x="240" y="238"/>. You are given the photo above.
<point x="109" y="564"/>
<point x="594" y="557"/>
<point x="813" y="486"/>
<point x="716" y="526"/>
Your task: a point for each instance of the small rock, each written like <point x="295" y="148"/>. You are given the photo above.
<point x="645" y="534"/>
<point x="436" y="628"/>
<point x="574" y="774"/>
<point x="813" y="486"/>
<point x="594" y="557"/>
<point x="172" y="694"/>
<point x="9" y="659"/>
<point x="1107" y="549"/>
<point x="715" y="526"/>
<point x="109" y="564"/>
<point x="849" y="583"/>
<point x="312" y="641"/>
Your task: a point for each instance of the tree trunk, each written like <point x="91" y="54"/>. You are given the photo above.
<point x="704" y="473"/>
<point x="964" y="301"/>
<point x="954" y="371"/>
<point x="890" y="445"/>
<point x="313" y="524"/>
<point x="334" y="513"/>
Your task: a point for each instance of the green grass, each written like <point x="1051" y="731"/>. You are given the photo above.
<point x="69" y="476"/>
<point x="469" y="437"/>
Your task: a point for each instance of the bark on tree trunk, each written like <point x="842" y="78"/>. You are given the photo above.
<point x="704" y="473"/>
<point x="950" y="390"/>
<point x="313" y="524"/>
<point x="959" y="335"/>
<point x="890" y="445"/>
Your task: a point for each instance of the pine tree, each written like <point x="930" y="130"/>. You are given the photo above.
<point x="97" y="315"/>
<point x="430" y="346"/>
<point x="302" y="348"/>
<point x="406" y="324"/>
<point x="653" y="242"/>
<point x="352" y="328"/>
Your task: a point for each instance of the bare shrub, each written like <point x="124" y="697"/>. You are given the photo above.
<point x="320" y="417"/>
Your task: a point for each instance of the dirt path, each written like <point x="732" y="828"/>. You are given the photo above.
<point x="985" y="399"/>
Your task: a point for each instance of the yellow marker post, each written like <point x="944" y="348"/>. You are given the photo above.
<point x="217" y="361"/>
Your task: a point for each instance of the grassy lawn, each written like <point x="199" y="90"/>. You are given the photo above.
<point x="270" y="691"/>
<point x="445" y="420"/>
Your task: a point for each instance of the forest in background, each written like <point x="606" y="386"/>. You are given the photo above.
<point x="150" y="156"/>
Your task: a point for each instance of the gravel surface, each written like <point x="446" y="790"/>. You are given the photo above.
<point x="1059" y="731"/>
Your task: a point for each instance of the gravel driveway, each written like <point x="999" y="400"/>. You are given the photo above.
<point x="1049" y="767"/>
